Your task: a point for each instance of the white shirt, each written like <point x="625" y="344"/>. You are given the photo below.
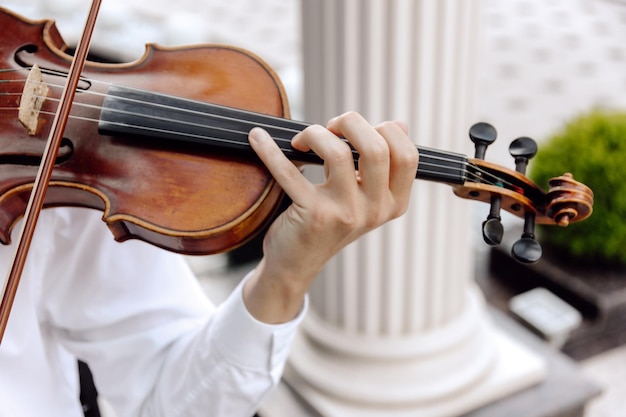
<point x="136" y="314"/>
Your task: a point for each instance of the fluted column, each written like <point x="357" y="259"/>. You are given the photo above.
<point x="397" y="326"/>
<point x="414" y="61"/>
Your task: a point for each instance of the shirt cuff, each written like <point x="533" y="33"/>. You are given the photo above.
<point x="248" y="342"/>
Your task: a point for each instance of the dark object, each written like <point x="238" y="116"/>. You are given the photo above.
<point x="493" y="229"/>
<point x="88" y="391"/>
<point x="527" y="250"/>
<point x="522" y="149"/>
<point x="483" y="135"/>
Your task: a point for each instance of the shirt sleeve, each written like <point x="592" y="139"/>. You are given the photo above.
<point x="237" y="354"/>
<point x="155" y="344"/>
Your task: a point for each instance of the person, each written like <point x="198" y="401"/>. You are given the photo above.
<point x="137" y="316"/>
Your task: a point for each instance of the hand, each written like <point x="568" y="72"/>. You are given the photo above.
<point x="324" y="218"/>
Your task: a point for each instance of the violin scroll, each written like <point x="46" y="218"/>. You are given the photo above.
<point x="567" y="200"/>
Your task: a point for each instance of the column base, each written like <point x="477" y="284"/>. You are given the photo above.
<point x="515" y="368"/>
<point x="483" y="367"/>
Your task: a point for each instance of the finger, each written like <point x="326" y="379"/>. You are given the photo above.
<point x="404" y="159"/>
<point x="282" y="169"/>
<point x="374" y="157"/>
<point x="402" y="126"/>
<point x="337" y="155"/>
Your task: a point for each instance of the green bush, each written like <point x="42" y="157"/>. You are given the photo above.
<point x="593" y="148"/>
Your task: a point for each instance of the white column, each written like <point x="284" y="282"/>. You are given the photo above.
<point x="397" y="326"/>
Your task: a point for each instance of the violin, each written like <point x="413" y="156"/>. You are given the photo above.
<point x="160" y="146"/>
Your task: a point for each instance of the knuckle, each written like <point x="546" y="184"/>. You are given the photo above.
<point x="409" y="158"/>
<point x="352" y="117"/>
<point x="373" y="221"/>
<point x="412" y="158"/>
<point x="318" y="221"/>
<point x="390" y="129"/>
<point x="339" y="153"/>
<point x="314" y="129"/>
<point x="388" y="126"/>
<point x="348" y="221"/>
<point x="346" y="218"/>
<point x="341" y="221"/>
<point x="377" y="151"/>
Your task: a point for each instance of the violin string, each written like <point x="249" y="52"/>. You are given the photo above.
<point x="422" y="163"/>
<point x="199" y="113"/>
<point x="478" y="173"/>
<point x="479" y="176"/>
<point x="451" y="176"/>
<point x="164" y="106"/>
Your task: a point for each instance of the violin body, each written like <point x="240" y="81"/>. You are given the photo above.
<point x="177" y="196"/>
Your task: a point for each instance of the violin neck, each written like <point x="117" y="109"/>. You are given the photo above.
<point x="133" y="112"/>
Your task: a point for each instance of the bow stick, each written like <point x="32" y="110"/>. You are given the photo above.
<point x="37" y="195"/>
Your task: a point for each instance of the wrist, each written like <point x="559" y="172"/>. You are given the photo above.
<point x="274" y="297"/>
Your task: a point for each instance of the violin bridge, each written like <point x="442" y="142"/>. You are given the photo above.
<point x="33" y="96"/>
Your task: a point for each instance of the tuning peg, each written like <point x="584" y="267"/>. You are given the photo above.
<point x="527" y="250"/>
<point x="483" y="135"/>
<point x="492" y="227"/>
<point x="522" y="149"/>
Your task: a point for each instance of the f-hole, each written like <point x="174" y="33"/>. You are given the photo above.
<point x="26" y="57"/>
<point x="66" y="150"/>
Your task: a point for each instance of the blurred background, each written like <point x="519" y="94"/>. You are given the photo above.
<point x="541" y="63"/>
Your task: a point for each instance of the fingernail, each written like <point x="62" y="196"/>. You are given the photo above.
<point x="258" y="134"/>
